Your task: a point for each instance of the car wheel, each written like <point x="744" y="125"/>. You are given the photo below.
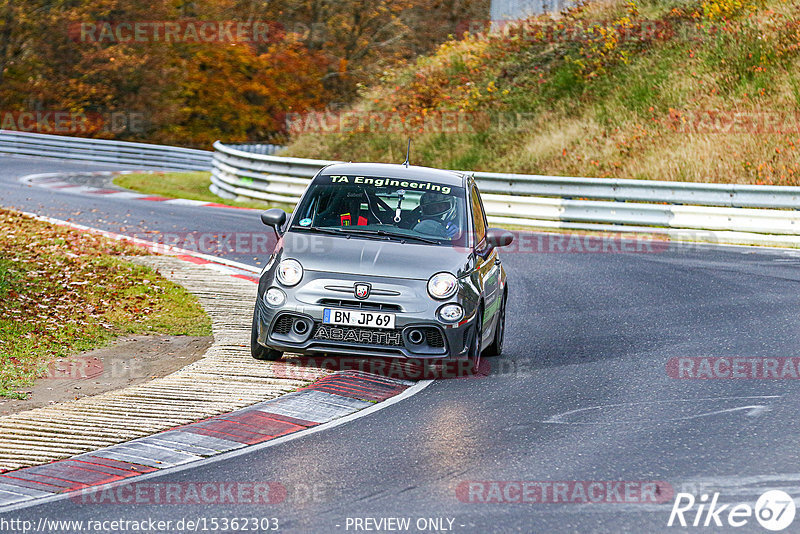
<point x="259" y="351"/>
<point x="496" y="348"/>
<point x="477" y="341"/>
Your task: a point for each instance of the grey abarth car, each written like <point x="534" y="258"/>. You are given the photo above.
<point x="383" y="260"/>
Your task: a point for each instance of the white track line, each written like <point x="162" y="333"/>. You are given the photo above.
<point x="413" y="390"/>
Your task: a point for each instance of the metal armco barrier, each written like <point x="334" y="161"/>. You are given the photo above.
<point x="723" y="212"/>
<point x="733" y="213"/>
<point x="104" y="151"/>
<point x="240" y="173"/>
<point x="266" y="149"/>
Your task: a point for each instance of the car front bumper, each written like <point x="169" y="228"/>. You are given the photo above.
<point x="296" y="326"/>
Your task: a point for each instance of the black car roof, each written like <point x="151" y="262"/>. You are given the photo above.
<point x="388" y="170"/>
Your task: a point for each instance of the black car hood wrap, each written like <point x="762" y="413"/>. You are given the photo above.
<point x="372" y="256"/>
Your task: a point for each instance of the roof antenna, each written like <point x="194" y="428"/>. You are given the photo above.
<point x="408" y="153"/>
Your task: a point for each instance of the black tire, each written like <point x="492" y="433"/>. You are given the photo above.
<point x="496" y="348"/>
<point x="259" y="351"/>
<point x="477" y="340"/>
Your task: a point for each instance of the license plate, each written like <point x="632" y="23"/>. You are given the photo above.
<point x="364" y="319"/>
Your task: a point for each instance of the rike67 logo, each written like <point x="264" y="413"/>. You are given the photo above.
<point x="774" y="510"/>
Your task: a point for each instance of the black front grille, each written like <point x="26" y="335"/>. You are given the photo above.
<point x="361" y="336"/>
<point x="283" y="325"/>
<point x="359" y="305"/>
<point x="434" y="337"/>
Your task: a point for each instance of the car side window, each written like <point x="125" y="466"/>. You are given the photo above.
<point x="478" y="217"/>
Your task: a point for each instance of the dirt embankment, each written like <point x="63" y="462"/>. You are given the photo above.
<point x="127" y="361"/>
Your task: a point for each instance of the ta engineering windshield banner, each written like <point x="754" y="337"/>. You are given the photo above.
<point x="388" y="182"/>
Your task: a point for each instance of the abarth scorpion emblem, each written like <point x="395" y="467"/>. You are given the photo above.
<point x="362" y="291"/>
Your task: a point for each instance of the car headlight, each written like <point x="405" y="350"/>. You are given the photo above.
<point x="442" y="285"/>
<point x="275" y="297"/>
<point x="451" y="313"/>
<point x="290" y="272"/>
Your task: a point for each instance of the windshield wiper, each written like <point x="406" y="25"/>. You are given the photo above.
<point x="331" y="231"/>
<point x="414" y="237"/>
<point x="392" y="235"/>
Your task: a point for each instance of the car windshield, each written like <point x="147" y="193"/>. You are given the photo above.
<point x="419" y="211"/>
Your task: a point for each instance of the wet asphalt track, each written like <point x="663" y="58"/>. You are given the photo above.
<point x="584" y="331"/>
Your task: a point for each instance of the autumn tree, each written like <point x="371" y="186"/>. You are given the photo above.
<point x="361" y="38"/>
<point x="193" y="93"/>
<point x="235" y="94"/>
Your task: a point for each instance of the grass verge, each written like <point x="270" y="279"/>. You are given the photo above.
<point x="700" y="91"/>
<point x="63" y="291"/>
<point x="190" y="185"/>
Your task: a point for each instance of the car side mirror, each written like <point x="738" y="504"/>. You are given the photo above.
<point x="274" y="217"/>
<point x="497" y="237"/>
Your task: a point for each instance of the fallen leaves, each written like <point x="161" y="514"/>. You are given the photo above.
<point x="62" y="290"/>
